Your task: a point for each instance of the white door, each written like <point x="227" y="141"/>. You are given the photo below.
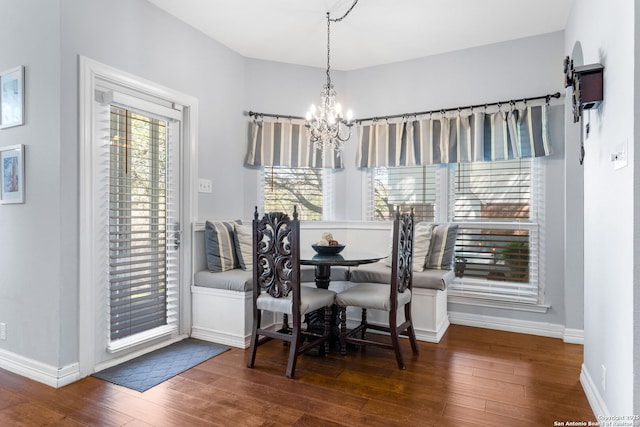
<point x="137" y="150"/>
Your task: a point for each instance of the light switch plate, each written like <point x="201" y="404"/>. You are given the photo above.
<point x="205" y="185"/>
<point x="619" y="157"/>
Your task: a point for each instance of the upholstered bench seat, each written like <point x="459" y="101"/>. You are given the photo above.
<point x="221" y="309"/>
<point x="378" y="272"/>
<point x="240" y="280"/>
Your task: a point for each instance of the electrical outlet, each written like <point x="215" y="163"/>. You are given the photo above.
<point x="3" y="331"/>
<point x="204" y="185"/>
<point x="604" y="378"/>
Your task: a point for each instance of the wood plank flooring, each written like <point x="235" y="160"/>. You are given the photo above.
<point x="473" y="377"/>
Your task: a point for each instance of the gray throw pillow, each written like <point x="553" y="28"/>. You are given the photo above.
<point x="443" y="246"/>
<point x="219" y="246"/>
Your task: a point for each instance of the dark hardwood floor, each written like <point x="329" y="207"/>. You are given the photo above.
<point x="473" y="377"/>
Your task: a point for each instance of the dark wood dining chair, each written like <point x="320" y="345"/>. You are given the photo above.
<point x="390" y="297"/>
<point x="276" y="288"/>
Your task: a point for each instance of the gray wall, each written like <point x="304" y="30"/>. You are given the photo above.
<point x="153" y="45"/>
<point x="511" y="70"/>
<point x="606" y="35"/>
<point x="31" y="251"/>
<point x="39" y="263"/>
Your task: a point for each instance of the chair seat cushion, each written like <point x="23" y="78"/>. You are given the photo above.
<point x="371" y="296"/>
<point x="311" y="299"/>
<point x="380" y="273"/>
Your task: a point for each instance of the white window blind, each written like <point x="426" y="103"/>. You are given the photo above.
<point x="495" y="205"/>
<point x="497" y="244"/>
<point x="307" y="188"/>
<point x="142" y="226"/>
<point x="405" y="187"/>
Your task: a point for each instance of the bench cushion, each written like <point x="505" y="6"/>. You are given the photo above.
<point x="380" y="273"/>
<point x="240" y="280"/>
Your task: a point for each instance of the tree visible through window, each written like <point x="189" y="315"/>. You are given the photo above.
<point x="302" y="187"/>
<point x="405" y="187"/>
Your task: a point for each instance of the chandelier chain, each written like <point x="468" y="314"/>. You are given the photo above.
<point x="329" y="50"/>
<point x="325" y="123"/>
<point x="346" y="13"/>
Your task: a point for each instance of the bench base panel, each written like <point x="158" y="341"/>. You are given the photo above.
<point x="428" y="310"/>
<point x="226" y="317"/>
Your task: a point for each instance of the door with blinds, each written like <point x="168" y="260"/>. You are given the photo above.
<point x="137" y="154"/>
<point x="144" y="225"/>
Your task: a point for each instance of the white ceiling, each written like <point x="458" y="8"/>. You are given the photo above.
<point x="375" y="32"/>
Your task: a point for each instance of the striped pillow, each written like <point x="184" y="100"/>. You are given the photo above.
<point x="219" y="246"/>
<point x="243" y="240"/>
<point x="421" y="245"/>
<point x="443" y="246"/>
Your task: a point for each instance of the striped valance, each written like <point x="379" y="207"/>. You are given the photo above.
<point x="481" y="136"/>
<point x="286" y="144"/>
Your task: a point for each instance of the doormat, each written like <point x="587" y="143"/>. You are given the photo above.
<point x="151" y="369"/>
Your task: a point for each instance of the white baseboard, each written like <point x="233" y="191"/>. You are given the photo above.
<point x="38" y="371"/>
<point x="432" y="336"/>
<point x="545" y="329"/>
<point x="573" y="336"/>
<point x="593" y="395"/>
<point x="220" y="337"/>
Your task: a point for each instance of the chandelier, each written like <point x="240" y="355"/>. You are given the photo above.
<point x="326" y="122"/>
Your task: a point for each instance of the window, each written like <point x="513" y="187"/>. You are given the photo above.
<point x="138" y="228"/>
<point x="309" y="189"/>
<point x="495" y="205"/>
<point x="405" y="187"/>
<point x="496" y="256"/>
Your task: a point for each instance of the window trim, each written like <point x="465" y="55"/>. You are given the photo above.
<point x="533" y="225"/>
<point x="444" y="213"/>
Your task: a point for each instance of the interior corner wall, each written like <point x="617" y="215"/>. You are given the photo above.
<point x="278" y="88"/>
<point x="606" y="35"/>
<point x="30" y="253"/>
<point x="573" y="214"/>
<point x="636" y="219"/>
<point x="471" y="76"/>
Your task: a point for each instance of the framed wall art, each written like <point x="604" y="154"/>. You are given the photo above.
<point x="12" y="174"/>
<point x="12" y="97"/>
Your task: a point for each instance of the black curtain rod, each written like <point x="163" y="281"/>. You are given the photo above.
<point x="277" y="116"/>
<point x="444" y="110"/>
<point x="421" y="113"/>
